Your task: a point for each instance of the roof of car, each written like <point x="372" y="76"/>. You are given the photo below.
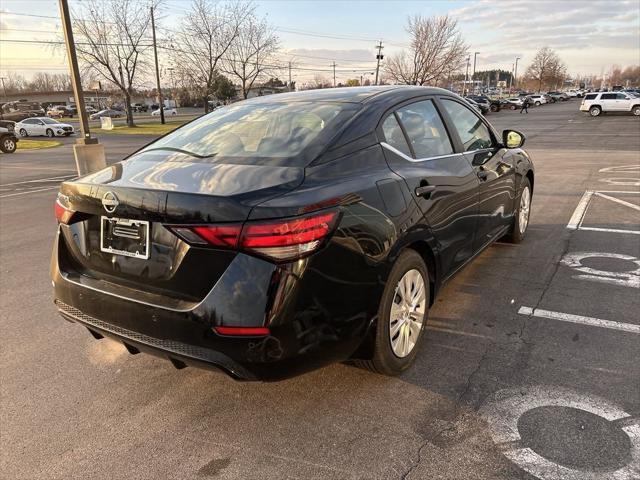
<point x="351" y="94"/>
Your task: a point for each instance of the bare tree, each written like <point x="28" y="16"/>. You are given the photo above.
<point x="546" y="68"/>
<point x="50" y="82"/>
<point x="436" y="48"/>
<point x="251" y="55"/>
<point x="14" y="83"/>
<point x="208" y="32"/>
<point x="111" y="40"/>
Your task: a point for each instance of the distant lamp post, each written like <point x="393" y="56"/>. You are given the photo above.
<point x="515" y="72"/>
<point x="466" y="76"/>
<point x="475" y="55"/>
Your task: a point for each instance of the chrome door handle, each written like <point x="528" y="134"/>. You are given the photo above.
<point x="425" y="190"/>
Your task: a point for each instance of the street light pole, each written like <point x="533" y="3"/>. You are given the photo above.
<point x="473" y="75"/>
<point x="466" y="76"/>
<point x="515" y="72"/>
<point x="4" y="90"/>
<point x="89" y="154"/>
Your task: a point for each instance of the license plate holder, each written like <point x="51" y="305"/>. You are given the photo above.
<point x="123" y="236"/>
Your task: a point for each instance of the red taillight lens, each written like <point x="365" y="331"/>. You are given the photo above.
<point x="242" y="331"/>
<point x="63" y="214"/>
<point x="280" y="240"/>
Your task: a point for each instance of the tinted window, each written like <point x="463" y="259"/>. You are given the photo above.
<point x="609" y="96"/>
<point x="591" y="96"/>
<point x="425" y="129"/>
<point x="621" y="96"/>
<point x="473" y="133"/>
<point x="259" y="130"/>
<point x="393" y="135"/>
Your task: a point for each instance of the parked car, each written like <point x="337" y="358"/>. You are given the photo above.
<point x="605" y="102"/>
<point x="89" y="109"/>
<point x="40" y="126"/>
<point x="167" y="111"/>
<point x="558" y="96"/>
<point x="20" y="109"/>
<point x="107" y="113"/>
<point x="280" y="234"/>
<point x="139" y="107"/>
<point x="514" y="103"/>
<point x="493" y="105"/>
<point x="60" y="111"/>
<point x="537" y="99"/>
<point x="8" y="140"/>
<point x="479" y="108"/>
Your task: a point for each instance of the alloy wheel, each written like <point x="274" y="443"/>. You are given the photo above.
<point x="523" y="211"/>
<point x="9" y="145"/>
<point x="407" y="313"/>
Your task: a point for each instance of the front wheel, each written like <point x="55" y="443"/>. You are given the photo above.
<point x="50" y="133"/>
<point x="538" y="104"/>
<point x="513" y="107"/>
<point x="402" y="315"/>
<point x="636" y="110"/>
<point x="521" y="215"/>
<point x="8" y="145"/>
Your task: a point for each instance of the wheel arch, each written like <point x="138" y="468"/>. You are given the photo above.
<point x="530" y="176"/>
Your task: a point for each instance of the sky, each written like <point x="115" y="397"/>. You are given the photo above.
<point x="589" y="35"/>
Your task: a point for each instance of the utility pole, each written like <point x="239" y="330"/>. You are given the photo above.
<point x="515" y="72"/>
<point x="511" y="79"/>
<point x="289" y="76"/>
<point x="379" y="57"/>
<point x="155" y="56"/>
<point x="89" y="154"/>
<point x="334" y="74"/>
<point x="4" y="90"/>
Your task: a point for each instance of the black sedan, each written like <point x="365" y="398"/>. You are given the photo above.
<point x="284" y="233"/>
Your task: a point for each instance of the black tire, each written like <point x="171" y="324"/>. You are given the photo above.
<point x="513" y="107"/>
<point x="384" y="360"/>
<point x="23" y="133"/>
<point x="595" y="111"/>
<point x="636" y="110"/>
<point x="8" y="145"/>
<point x="538" y="104"/>
<point x="50" y="133"/>
<point x="494" y="108"/>
<point x="517" y="234"/>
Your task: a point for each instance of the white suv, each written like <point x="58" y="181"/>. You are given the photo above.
<point x="599" y="102"/>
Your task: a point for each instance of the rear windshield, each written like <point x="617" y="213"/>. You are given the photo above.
<point x="278" y="130"/>
<point x="591" y="96"/>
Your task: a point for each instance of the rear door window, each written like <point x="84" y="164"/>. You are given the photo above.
<point x="394" y="136"/>
<point x="425" y="129"/>
<point x="609" y="96"/>
<point x="474" y="134"/>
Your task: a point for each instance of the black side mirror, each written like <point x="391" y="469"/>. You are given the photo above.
<point x="512" y="139"/>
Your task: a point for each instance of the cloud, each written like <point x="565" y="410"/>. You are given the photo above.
<point x="504" y="30"/>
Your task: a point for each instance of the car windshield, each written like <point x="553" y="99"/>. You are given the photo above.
<point x="278" y="130"/>
<point x="48" y="120"/>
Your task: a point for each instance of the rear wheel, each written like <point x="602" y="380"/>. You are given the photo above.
<point x="23" y="133"/>
<point x="521" y="215"/>
<point x="537" y="104"/>
<point x="595" y="111"/>
<point x="50" y="133"/>
<point x="494" y="108"/>
<point x="401" y="316"/>
<point x="513" y="107"/>
<point x="636" y="110"/>
<point x="8" y="145"/>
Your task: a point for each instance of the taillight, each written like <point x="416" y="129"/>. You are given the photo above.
<point x="279" y="240"/>
<point x="63" y="214"/>
<point x="242" y="331"/>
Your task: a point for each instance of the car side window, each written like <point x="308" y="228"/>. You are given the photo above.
<point x="474" y="134"/>
<point x="608" y="96"/>
<point x="393" y="135"/>
<point x="425" y="129"/>
<point x="621" y="96"/>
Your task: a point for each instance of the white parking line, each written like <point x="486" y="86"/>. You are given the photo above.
<point x="28" y="192"/>
<point x="591" y="321"/>
<point x="41" y="180"/>
<point x="578" y="213"/>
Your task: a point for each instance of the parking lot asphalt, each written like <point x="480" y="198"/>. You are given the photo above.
<point x="530" y="368"/>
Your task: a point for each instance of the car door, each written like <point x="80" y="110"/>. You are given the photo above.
<point x="38" y="127"/>
<point x="492" y="164"/>
<point x="31" y="126"/>
<point x="609" y="102"/>
<point x="417" y="147"/>
<point x="622" y="102"/>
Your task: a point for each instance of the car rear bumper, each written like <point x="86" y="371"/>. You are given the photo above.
<point x="316" y="314"/>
